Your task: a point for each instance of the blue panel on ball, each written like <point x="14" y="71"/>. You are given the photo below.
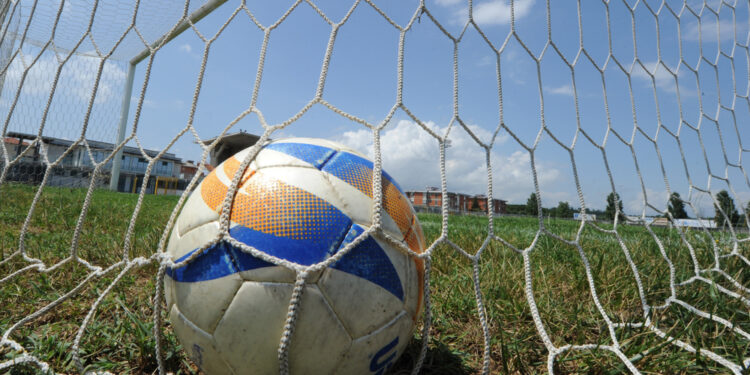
<point x="338" y="163"/>
<point x="344" y="165"/>
<point x="313" y="154"/>
<point x="304" y="252"/>
<point x="213" y="263"/>
<point x="369" y="261"/>
<point x="224" y="259"/>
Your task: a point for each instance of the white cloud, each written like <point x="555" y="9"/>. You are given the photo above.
<point x="188" y="50"/>
<point x="495" y="12"/>
<point x="560" y="90"/>
<point x="412" y="157"/>
<point x="486" y="61"/>
<point x="656" y="198"/>
<point x="78" y="76"/>
<point x="448" y="2"/>
<point x="283" y="133"/>
<point x="707" y="29"/>
<point x="146" y="102"/>
<point x="517" y="65"/>
<point x="704" y="204"/>
<point x="68" y="11"/>
<point x="698" y="4"/>
<point x="663" y="79"/>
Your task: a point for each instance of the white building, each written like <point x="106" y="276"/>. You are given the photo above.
<point x="77" y="164"/>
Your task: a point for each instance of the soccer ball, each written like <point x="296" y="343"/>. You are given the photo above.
<point x="301" y="200"/>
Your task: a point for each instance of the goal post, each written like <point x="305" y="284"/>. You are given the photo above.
<point x="183" y="25"/>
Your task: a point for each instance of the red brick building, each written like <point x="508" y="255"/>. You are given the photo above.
<point x="188" y="170"/>
<point x="431" y="199"/>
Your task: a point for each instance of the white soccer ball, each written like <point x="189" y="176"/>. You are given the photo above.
<point x="300" y="200"/>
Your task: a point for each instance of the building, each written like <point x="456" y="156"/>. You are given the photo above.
<point x="14" y="145"/>
<point x="77" y="164"/>
<point x="684" y="223"/>
<point x="188" y="170"/>
<point x="431" y="199"/>
<point x="26" y="169"/>
<point x="588" y="217"/>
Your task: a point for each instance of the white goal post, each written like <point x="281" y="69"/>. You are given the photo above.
<point x="128" y="90"/>
<point x="588" y="157"/>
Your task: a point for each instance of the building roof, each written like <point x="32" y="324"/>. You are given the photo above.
<point x="240" y="138"/>
<point x="480" y="196"/>
<point x="93" y="144"/>
<point x="189" y="164"/>
<point x="230" y="144"/>
<point x="14" y="141"/>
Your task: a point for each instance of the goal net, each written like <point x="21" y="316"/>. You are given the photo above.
<point x="579" y="166"/>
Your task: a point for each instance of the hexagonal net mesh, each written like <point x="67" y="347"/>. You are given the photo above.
<point x="617" y="103"/>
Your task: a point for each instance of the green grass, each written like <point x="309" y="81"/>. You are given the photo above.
<point x="119" y="338"/>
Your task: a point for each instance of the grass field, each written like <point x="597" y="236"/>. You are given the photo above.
<point x="119" y="339"/>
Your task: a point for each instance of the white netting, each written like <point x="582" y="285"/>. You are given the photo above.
<point x="641" y="98"/>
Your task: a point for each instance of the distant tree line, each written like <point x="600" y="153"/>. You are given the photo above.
<point x="725" y="211"/>
<point x="531" y="208"/>
<point x="565" y="210"/>
<point x="676" y="206"/>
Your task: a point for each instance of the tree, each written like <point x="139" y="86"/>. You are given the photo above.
<point x="563" y="209"/>
<point x="532" y="206"/>
<point x="515" y="209"/>
<point x="610" y="211"/>
<point x="676" y="206"/>
<point x="726" y="204"/>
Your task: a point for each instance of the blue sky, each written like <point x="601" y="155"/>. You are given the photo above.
<point x="362" y="81"/>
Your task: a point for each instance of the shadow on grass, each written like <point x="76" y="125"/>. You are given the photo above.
<point x="440" y="359"/>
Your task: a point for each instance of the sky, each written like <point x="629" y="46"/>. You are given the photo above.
<point x="655" y="48"/>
